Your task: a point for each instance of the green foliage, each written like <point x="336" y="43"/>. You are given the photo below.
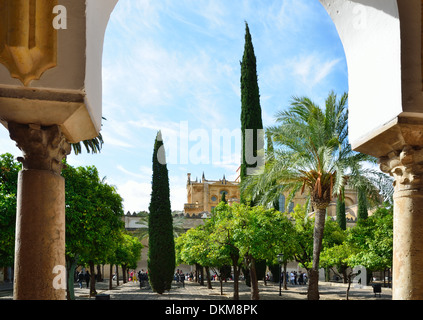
<point x="161" y="254"/>
<point x="373" y="239"/>
<point x="234" y="234"/>
<point x="368" y="244"/>
<point x="362" y="212"/>
<point x="92" y="145"/>
<point x="224" y="198"/>
<point x="250" y="104"/>
<point x="128" y="251"/>
<point x="340" y="213"/>
<point x="9" y="170"/>
<point x="94" y="213"/>
<point x="313" y="157"/>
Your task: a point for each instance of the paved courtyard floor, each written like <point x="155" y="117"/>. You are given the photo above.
<point x="195" y="301"/>
<point x="193" y="291"/>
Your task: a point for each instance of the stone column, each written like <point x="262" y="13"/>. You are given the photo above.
<point x="406" y="166"/>
<point x="40" y="218"/>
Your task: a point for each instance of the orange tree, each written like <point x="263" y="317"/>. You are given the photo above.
<point x="9" y="169"/>
<point x="93" y="220"/>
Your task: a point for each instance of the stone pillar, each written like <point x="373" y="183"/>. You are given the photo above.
<point x="40" y="218"/>
<point x="406" y="166"/>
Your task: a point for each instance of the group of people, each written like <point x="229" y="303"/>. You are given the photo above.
<point x="179" y="276"/>
<point x="141" y="276"/>
<point x="295" y="278"/>
<point x="81" y="277"/>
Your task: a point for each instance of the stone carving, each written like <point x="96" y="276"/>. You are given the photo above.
<point x="43" y="148"/>
<point x="406" y="166"/>
<point x="28" y="41"/>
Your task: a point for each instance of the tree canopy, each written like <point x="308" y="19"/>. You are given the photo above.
<point x="9" y="169"/>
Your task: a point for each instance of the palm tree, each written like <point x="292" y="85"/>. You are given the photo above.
<point x="92" y="145"/>
<point x="142" y="231"/>
<point x="314" y="156"/>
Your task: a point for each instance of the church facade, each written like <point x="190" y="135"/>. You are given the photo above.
<point x="204" y="195"/>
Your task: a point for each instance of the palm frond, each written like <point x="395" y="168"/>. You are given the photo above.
<point x="91" y="145"/>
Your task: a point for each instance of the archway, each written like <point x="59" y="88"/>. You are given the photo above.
<point x="383" y="43"/>
<point x="398" y="98"/>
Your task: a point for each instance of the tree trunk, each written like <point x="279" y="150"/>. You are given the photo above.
<point x="117" y="275"/>
<point x="237" y="270"/>
<point x="209" y="285"/>
<point x="349" y="276"/>
<point x="344" y="274"/>
<point x="99" y="275"/>
<point x="284" y="276"/>
<point x="124" y="273"/>
<point x="319" y="227"/>
<point x="70" y="266"/>
<point x="92" y="280"/>
<point x="197" y="273"/>
<point x="111" y="277"/>
<point x="253" y="278"/>
<point x="202" y="276"/>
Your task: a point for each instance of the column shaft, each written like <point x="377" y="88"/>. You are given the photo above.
<point x="408" y="245"/>
<point x="40" y="272"/>
<point x="406" y="166"/>
<point x="40" y="235"/>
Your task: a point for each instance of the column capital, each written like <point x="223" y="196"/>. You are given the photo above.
<point x="406" y="166"/>
<point x="43" y="148"/>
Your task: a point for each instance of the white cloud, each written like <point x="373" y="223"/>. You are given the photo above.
<point x="312" y="69"/>
<point x="136" y="195"/>
<point x="112" y="140"/>
<point x="145" y="173"/>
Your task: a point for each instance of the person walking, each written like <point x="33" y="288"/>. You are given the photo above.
<point x="182" y="278"/>
<point x="87" y="278"/>
<point x="80" y="279"/>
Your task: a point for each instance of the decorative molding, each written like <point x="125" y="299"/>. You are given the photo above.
<point x="406" y="166"/>
<point x="28" y="41"/>
<point x="43" y="148"/>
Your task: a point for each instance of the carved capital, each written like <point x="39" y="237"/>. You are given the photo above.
<point x="43" y="148"/>
<point x="406" y="166"/>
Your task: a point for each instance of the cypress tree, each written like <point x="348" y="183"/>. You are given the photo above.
<point x="161" y="253"/>
<point x="250" y="108"/>
<point x="362" y="213"/>
<point x="224" y="198"/>
<point x="340" y="213"/>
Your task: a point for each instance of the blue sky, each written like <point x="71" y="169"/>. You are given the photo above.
<point x="175" y="66"/>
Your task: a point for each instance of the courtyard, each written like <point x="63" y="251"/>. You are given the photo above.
<point x="193" y="291"/>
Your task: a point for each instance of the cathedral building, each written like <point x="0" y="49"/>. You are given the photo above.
<point x="204" y="195"/>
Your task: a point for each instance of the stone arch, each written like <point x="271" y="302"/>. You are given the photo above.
<point x="349" y="202"/>
<point x="371" y="36"/>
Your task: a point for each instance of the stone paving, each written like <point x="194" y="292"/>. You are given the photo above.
<point x="193" y="291"/>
